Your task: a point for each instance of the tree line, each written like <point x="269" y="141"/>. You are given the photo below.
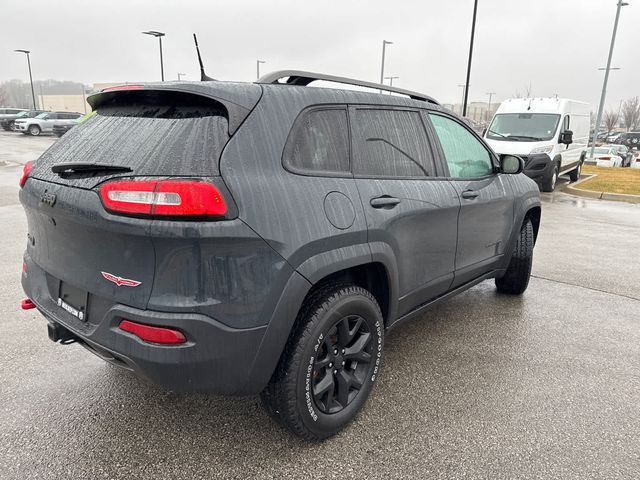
<point x="629" y="113"/>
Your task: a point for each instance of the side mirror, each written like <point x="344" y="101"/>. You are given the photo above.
<point x="566" y="137"/>
<point x="511" y="164"/>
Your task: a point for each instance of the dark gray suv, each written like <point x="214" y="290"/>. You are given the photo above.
<point x="244" y="238"/>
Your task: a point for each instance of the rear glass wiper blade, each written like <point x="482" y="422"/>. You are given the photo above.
<point x="76" y="167"/>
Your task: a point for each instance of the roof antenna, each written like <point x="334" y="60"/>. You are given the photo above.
<point x="203" y="76"/>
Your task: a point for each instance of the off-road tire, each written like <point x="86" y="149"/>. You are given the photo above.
<point x="574" y="175"/>
<point x="516" y="279"/>
<point x="34" y="130"/>
<point x="289" y="396"/>
<point x="549" y="184"/>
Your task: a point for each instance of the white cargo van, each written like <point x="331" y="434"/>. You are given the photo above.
<point x="550" y="134"/>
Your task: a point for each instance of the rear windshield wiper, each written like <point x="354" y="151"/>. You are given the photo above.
<point x="77" y="167"/>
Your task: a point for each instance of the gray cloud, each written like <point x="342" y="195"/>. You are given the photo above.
<point x="556" y="45"/>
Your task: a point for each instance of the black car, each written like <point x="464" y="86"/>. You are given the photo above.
<point x="630" y="139"/>
<point x="243" y="238"/>
<point x="7" y="121"/>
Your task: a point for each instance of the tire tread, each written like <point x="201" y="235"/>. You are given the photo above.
<point x="279" y="397"/>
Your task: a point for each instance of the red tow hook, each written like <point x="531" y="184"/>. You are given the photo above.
<point x="27" y="304"/>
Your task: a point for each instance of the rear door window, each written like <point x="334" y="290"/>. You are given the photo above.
<point x="319" y="143"/>
<point x="154" y="133"/>
<point x="390" y="144"/>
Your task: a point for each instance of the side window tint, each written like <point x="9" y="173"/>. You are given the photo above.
<point x="465" y="155"/>
<point x="390" y="143"/>
<point x="319" y="142"/>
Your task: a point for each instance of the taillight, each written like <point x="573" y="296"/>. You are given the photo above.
<point x="26" y="170"/>
<point x="163" y="198"/>
<point x="604" y="158"/>
<point x="151" y="334"/>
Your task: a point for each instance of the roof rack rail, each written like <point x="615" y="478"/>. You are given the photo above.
<point x="302" y="78"/>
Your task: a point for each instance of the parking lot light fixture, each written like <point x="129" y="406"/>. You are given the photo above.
<point x="33" y="94"/>
<point x="391" y="79"/>
<point x="258" y="62"/>
<point x="159" y="36"/>
<point x="607" y="69"/>
<point x="384" y="46"/>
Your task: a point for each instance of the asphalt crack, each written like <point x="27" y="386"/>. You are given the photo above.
<point x="586" y="288"/>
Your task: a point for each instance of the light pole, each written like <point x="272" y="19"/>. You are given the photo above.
<point x="391" y="79"/>
<point x="384" y="46"/>
<point x="258" y="62"/>
<point x="606" y="79"/>
<point x="491" y="94"/>
<point x="33" y="94"/>
<point x="466" y="88"/>
<point x="180" y="75"/>
<point x="159" y="36"/>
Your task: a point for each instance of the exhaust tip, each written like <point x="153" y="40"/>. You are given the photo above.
<point x="27" y="304"/>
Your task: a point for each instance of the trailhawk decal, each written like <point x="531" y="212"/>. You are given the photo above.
<point x="119" y="281"/>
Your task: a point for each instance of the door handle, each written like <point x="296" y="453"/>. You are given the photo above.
<point x="384" y="202"/>
<point x="470" y="194"/>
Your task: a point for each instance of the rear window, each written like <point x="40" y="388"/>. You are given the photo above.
<point x="318" y="142"/>
<point x="154" y="133"/>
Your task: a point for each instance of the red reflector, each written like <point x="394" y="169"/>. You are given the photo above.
<point x="122" y="87"/>
<point x="24" y="267"/>
<point x="26" y="170"/>
<point x="161" y="335"/>
<point x="163" y="198"/>
<point x="27" y="304"/>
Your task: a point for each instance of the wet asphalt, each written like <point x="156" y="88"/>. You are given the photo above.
<point x="546" y="385"/>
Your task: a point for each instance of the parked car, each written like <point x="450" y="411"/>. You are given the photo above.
<point x="635" y="161"/>
<point x="9" y="111"/>
<point x="7" y="121"/>
<point x="613" y="138"/>
<point x="606" y="157"/>
<point x="624" y="153"/>
<point x="630" y="139"/>
<point x="44" y="122"/>
<point x="60" y="129"/>
<point x="262" y="237"/>
<point x="551" y="135"/>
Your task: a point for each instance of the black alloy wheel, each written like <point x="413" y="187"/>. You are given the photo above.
<point x="342" y="364"/>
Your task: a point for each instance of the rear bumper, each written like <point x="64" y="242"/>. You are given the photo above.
<point x="216" y="357"/>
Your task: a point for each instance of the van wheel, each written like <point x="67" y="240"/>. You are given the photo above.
<point x="516" y="279"/>
<point x="34" y="130"/>
<point x="574" y="175"/>
<point x="549" y="183"/>
<point x="330" y="363"/>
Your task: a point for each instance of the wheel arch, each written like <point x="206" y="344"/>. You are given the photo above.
<point x="364" y="265"/>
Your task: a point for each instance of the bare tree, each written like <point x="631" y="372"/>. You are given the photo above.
<point x="631" y="113"/>
<point x="610" y="120"/>
<point x="4" y="98"/>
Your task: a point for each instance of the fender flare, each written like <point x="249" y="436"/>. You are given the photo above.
<point x="525" y="207"/>
<point x="302" y="280"/>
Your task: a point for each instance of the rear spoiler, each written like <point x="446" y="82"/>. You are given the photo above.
<point x="238" y="99"/>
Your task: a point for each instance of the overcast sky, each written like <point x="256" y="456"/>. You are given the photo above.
<point x="556" y="45"/>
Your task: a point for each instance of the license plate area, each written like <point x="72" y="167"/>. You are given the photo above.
<point x="73" y="300"/>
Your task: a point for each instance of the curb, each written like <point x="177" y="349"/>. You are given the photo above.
<point x="616" y="197"/>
